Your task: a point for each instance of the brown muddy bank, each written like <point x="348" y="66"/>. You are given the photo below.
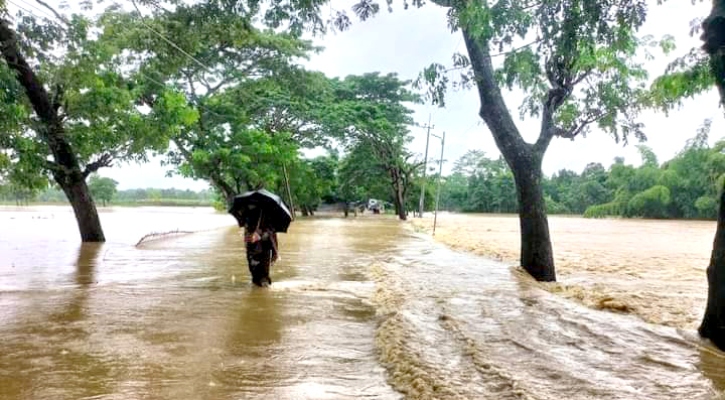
<point x="653" y="269"/>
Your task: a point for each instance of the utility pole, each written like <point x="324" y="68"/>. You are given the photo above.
<point x="421" y="205"/>
<point x="438" y="193"/>
<point x="289" y="192"/>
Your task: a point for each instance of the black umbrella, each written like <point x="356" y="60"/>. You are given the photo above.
<point x="247" y="208"/>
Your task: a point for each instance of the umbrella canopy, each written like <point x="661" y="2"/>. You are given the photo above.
<point x="247" y="208"/>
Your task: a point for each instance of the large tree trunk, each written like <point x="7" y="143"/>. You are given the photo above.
<point x="346" y="208"/>
<point x="84" y="208"/>
<point x="399" y="208"/>
<point x="66" y="168"/>
<point x="523" y="158"/>
<point x="398" y="193"/>
<point x="713" y="323"/>
<point x="536" y="251"/>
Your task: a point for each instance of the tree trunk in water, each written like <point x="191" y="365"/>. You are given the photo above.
<point x="402" y="214"/>
<point x="713" y="323"/>
<point x="305" y="213"/>
<point x="66" y="169"/>
<point x="89" y="224"/>
<point x="398" y="193"/>
<point x="523" y="158"/>
<point x="536" y="251"/>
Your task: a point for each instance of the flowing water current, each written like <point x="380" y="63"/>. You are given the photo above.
<point x="359" y="308"/>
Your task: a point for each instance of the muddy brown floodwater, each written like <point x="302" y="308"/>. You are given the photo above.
<point x="359" y="308"/>
<point x="654" y="269"/>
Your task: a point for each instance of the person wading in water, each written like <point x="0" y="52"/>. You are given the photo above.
<point x="261" y="245"/>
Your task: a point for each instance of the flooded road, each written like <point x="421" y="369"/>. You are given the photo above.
<point x="359" y="308"/>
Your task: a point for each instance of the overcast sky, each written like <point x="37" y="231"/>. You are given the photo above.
<point x="407" y="41"/>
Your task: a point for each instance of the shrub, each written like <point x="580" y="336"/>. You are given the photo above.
<point x="651" y="203"/>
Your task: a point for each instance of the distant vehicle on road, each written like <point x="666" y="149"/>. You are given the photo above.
<point x="376" y="206"/>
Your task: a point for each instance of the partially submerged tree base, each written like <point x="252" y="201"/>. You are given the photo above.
<point x="713" y="323"/>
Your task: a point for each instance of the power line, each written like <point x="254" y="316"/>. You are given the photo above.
<point x="48" y="9"/>
<point x="29" y="11"/>
<point x="167" y="40"/>
<point x="471" y="127"/>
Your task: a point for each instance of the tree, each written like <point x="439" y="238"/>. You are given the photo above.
<point x="454" y="190"/>
<point x="68" y="117"/>
<point x="578" y="71"/>
<point x="361" y="177"/>
<point x="102" y="188"/>
<point x="241" y="81"/>
<point x="713" y="322"/>
<point x="370" y="112"/>
<point x="311" y="181"/>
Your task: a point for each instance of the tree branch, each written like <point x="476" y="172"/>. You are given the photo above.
<point x="102" y="161"/>
<point x="56" y="13"/>
<point x="52" y="166"/>
<point x="213" y="89"/>
<point x="34" y="89"/>
<point x="443" y="3"/>
<point x="493" y="108"/>
<point x="52" y="130"/>
<point x="58" y="97"/>
<point x="579" y="128"/>
<point x="554" y="99"/>
<point x="214" y="175"/>
<point x="190" y="80"/>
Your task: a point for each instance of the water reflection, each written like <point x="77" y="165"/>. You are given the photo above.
<point x="48" y="336"/>
<point x="84" y="276"/>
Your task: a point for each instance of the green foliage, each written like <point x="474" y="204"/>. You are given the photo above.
<point x="312" y="181"/>
<point x="454" y="192"/>
<point x="361" y="177"/>
<point x="706" y="207"/>
<point x="97" y="103"/>
<point x="246" y="104"/>
<point x="553" y="207"/>
<point x="684" y="79"/>
<point x="603" y="210"/>
<point x="480" y="184"/>
<point x="585" y="48"/>
<point x="371" y="115"/>
<point x="687" y="186"/>
<point x="128" y="197"/>
<point x="102" y="188"/>
<point x="651" y="203"/>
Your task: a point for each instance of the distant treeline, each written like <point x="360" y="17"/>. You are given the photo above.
<point x="684" y="187"/>
<point x="128" y="197"/>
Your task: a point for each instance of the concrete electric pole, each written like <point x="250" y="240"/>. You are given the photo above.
<point x="438" y="193"/>
<point x="421" y="205"/>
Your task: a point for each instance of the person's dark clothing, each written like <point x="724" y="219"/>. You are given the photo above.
<point x="261" y="246"/>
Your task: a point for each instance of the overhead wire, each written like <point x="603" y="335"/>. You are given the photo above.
<point x="44" y="16"/>
<point x="167" y="40"/>
<point x="45" y="13"/>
